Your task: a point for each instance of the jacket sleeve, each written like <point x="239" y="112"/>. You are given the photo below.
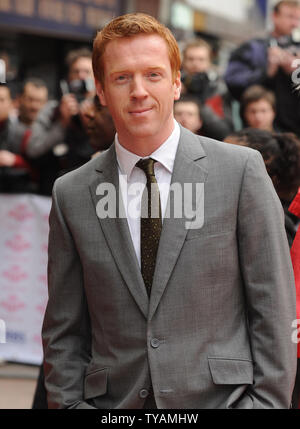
<point x="66" y="328"/>
<point x="45" y="132"/>
<point x="269" y="287"/>
<point x="247" y="66"/>
<point x="213" y="126"/>
<point x="296" y="264"/>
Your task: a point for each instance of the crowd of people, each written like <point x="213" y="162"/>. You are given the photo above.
<point x="42" y="139"/>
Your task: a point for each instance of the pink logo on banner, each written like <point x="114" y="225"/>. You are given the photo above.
<point x="44" y="248"/>
<point x="43" y="279"/>
<point x="37" y="339"/>
<point x="12" y="304"/>
<point x="21" y="213"/>
<point x="18" y="243"/>
<point x="15" y="274"/>
<point x="41" y="308"/>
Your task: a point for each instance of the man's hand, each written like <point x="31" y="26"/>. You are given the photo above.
<point x="275" y="55"/>
<point x="68" y="107"/>
<point x="280" y="58"/>
<point x="87" y="112"/>
<point x="7" y="159"/>
<point x="287" y="63"/>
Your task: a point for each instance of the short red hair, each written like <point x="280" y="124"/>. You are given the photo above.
<point x="131" y="25"/>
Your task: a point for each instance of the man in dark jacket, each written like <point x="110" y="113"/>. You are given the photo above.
<point x="15" y="171"/>
<point x="200" y="79"/>
<point x="270" y="62"/>
<point x="59" y="142"/>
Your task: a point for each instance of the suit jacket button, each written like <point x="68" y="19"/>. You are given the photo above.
<point x="144" y="393"/>
<point x="155" y="343"/>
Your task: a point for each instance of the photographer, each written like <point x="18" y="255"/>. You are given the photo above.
<point x="16" y="174"/>
<point x="201" y="80"/>
<point x="59" y="142"/>
<point x="269" y="62"/>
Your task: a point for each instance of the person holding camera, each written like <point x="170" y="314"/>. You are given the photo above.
<point x="272" y="62"/>
<point x="17" y="175"/>
<point x="200" y="79"/>
<point x="59" y="141"/>
<point x="79" y="85"/>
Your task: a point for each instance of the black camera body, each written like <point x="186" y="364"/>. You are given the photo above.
<point x="78" y="87"/>
<point x="197" y="84"/>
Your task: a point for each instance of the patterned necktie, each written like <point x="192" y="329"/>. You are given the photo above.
<point x="151" y="223"/>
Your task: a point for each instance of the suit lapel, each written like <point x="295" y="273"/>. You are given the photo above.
<point x="116" y="230"/>
<point x="189" y="168"/>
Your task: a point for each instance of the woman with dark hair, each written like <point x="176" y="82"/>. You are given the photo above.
<point x="281" y="153"/>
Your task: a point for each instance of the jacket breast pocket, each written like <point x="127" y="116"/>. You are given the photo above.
<point x="95" y="384"/>
<point x="231" y="371"/>
<point x="204" y="235"/>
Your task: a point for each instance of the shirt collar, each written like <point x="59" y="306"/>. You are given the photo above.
<point x="165" y="154"/>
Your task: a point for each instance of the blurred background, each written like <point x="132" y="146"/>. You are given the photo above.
<point x="35" y="35"/>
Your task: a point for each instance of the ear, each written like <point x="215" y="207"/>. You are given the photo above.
<point x="177" y="86"/>
<point x="100" y="92"/>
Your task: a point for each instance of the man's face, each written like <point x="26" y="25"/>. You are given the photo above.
<point x="286" y="20"/>
<point x="188" y="115"/>
<point x="196" y="60"/>
<point x="139" y="89"/>
<point x="81" y="69"/>
<point x="31" y="102"/>
<point x="5" y="103"/>
<point x="260" y="114"/>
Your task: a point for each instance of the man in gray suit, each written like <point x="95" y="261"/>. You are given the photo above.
<point x="173" y="311"/>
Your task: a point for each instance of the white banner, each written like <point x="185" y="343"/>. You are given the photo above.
<point x="23" y="275"/>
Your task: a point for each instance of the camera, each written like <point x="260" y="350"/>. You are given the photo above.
<point x="197" y="84"/>
<point x="78" y="87"/>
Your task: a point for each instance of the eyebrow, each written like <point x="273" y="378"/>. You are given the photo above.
<point x="113" y="72"/>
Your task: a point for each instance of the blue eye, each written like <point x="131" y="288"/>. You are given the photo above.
<point x="154" y="75"/>
<point x="122" y="78"/>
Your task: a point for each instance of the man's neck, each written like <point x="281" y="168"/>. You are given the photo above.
<point x="141" y="148"/>
<point x="26" y="121"/>
<point x="277" y="35"/>
<point x="144" y="147"/>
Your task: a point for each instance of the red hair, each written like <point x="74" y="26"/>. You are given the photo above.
<point x="131" y="25"/>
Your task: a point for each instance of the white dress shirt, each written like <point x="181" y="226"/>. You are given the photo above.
<point x="132" y="181"/>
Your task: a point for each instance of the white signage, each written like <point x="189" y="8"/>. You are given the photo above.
<point x="23" y="275"/>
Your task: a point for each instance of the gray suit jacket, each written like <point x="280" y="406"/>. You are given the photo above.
<point x="216" y="332"/>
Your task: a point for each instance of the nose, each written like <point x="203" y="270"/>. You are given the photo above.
<point x="138" y="90"/>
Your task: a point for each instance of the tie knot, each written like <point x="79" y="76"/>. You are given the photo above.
<point x="147" y="165"/>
